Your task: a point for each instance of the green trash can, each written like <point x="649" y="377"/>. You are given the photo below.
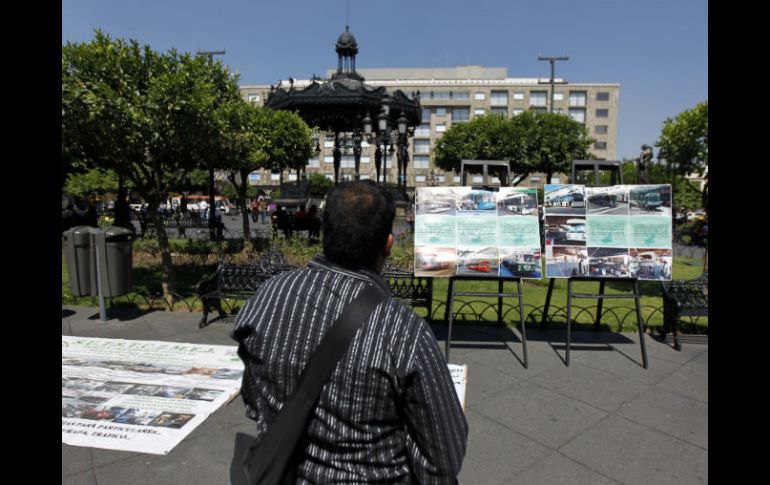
<point x="116" y="258"/>
<point x="81" y="260"/>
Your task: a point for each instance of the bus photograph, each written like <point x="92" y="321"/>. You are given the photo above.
<point x="650" y="264"/>
<point x="565" y="231"/>
<point x="520" y="203"/>
<point x="607" y="201"/>
<point x="651" y="200"/>
<point x="483" y="262"/>
<point x="564" y="200"/>
<point x="612" y="262"/>
<point x="478" y="200"/>
<point x="565" y="261"/>
<point x="433" y="261"/>
<point x="435" y="200"/>
<point x="520" y="263"/>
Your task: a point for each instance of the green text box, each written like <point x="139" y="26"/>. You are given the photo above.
<point x="650" y="232"/>
<point x="607" y="231"/>
<point x="478" y="230"/>
<point x="519" y="231"/>
<point x="434" y="231"/>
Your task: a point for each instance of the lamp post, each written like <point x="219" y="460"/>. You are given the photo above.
<point x="403" y="155"/>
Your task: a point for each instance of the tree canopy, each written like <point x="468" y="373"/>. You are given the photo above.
<point x="530" y="142"/>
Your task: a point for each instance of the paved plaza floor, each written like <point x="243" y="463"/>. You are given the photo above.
<point x="602" y="420"/>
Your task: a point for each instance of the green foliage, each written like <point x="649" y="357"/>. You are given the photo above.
<point x="530" y="142"/>
<point x="319" y="185"/>
<point x="684" y="141"/>
<point x="93" y="182"/>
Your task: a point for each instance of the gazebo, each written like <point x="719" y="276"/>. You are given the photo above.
<point x="349" y="110"/>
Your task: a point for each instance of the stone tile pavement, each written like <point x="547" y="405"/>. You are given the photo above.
<point x="602" y="420"/>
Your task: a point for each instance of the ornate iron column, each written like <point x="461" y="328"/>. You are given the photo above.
<point x="337" y="157"/>
<point x="357" y="152"/>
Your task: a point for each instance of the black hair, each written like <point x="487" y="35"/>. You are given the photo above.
<point x="356" y="222"/>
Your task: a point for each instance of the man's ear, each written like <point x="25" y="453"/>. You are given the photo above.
<point x="389" y="244"/>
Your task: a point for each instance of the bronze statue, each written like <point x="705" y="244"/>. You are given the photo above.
<point x="644" y="165"/>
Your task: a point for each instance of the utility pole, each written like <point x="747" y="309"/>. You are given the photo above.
<point x="213" y="222"/>
<point x="552" y="81"/>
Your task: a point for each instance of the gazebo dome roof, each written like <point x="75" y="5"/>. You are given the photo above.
<point x="346" y="43"/>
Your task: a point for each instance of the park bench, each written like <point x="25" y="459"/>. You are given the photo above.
<point x="683" y="298"/>
<point x="240" y="282"/>
<point x="405" y="286"/>
<point x="178" y="221"/>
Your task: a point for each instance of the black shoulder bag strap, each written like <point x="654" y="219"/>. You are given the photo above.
<point x="268" y="462"/>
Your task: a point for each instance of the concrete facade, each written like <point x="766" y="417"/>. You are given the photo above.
<point x="456" y="95"/>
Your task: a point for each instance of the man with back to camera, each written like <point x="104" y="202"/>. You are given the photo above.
<point x="389" y="412"/>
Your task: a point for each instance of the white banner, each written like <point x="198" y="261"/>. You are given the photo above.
<point x="142" y="396"/>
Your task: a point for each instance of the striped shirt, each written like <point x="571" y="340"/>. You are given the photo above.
<point x="389" y="412"/>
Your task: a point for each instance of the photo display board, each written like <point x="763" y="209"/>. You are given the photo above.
<point x="622" y="231"/>
<point x="466" y="232"/>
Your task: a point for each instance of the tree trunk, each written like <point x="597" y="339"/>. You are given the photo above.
<point x="212" y="207"/>
<point x="548" y="178"/>
<point x="243" y="203"/>
<point x="166" y="265"/>
<point x="122" y="214"/>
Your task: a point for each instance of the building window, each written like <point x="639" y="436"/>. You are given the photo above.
<point x="388" y="160"/>
<point x="518" y="96"/>
<point x="275" y="177"/>
<point x="600" y="145"/>
<point x="422" y="146"/>
<point x="364" y="144"/>
<point x="480" y="96"/>
<point x="602" y="96"/>
<point x="538" y="98"/>
<point x="558" y="96"/>
<point x="440" y="111"/>
<point x="578" y="114"/>
<point x="517" y="111"/>
<point x="328" y="159"/>
<point x="460" y="94"/>
<point x="479" y="112"/>
<point x="314" y="162"/>
<point x="600" y="129"/>
<point x="440" y="95"/>
<point x="426" y="115"/>
<point x="558" y="111"/>
<point x="500" y="111"/>
<point x="347" y="161"/>
<point x="253" y="98"/>
<point x="477" y="179"/>
<point x="419" y="178"/>
<point x="460" y="114"/>
<point x="538" y="109"/>
<point x="499" y="98"/>
<point x="440" y="128"/>
<point x="365" y="159"/>
<point x="328" y="143"/>
<point x="329" y="176"/>
<point x="602" y="113"/>
<point x="577" y="98"/>
<point x="440" y="178"/>
<point x="363" y="177"/>
<point x="456" y="179"/>
<point x="292" y="177"/>
<point x="254" y="177"/>
<point x="422" y="131"/>
<point x="421" y="161"/>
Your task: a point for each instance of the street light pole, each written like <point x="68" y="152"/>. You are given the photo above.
<point x="552" y="81"/>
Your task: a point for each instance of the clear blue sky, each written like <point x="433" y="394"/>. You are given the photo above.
<point x="656" y="49"/>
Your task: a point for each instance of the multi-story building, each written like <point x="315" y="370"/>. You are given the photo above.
<point x="457" y="95"/>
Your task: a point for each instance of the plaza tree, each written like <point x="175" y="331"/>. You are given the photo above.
<point x="530" y="142"/>
<point x="684" y="146"/>
<point x="261" y="138"/>
<point x="92" y="183"/>
<point x="150" y="117"/>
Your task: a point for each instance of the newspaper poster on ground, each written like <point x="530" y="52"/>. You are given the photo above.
<point x="468" y="232"/>
<point x="621" y="231"/>
<point x="459" y="375"/>
<point x="142" y="396"/>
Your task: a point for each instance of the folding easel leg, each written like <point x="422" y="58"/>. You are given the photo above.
<point x="569" y="317"/>
<point x="640" y="321"/>
<point x="544" y="321"/>
<point x="598" y="321"/>
<point x="450" y="318"/>
<point x="500" y="303"/>
<point x="523" y="326"/>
